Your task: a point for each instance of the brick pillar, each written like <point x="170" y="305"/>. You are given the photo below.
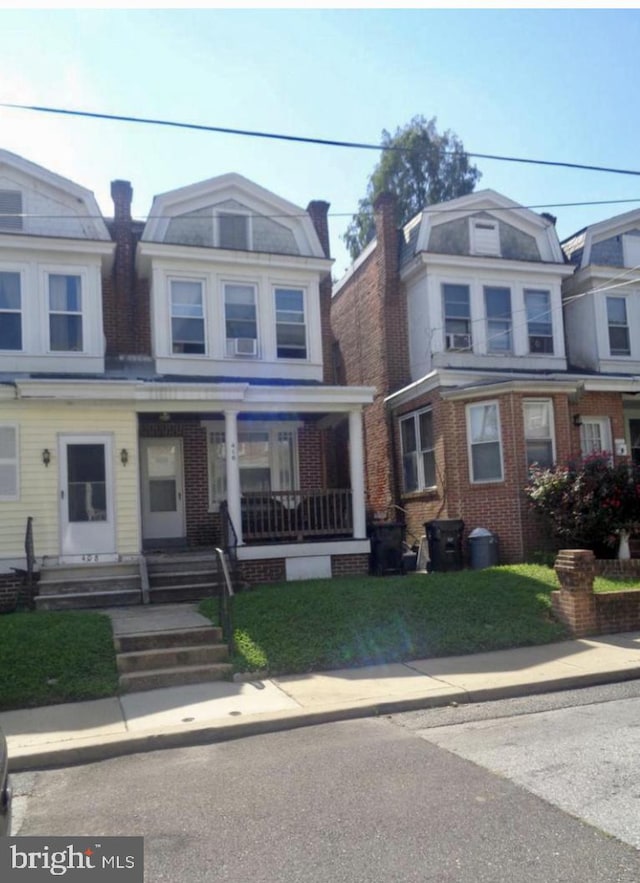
<point x="575" y="603"/>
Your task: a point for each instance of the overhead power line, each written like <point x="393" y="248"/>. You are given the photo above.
<point x="325" y="142"/>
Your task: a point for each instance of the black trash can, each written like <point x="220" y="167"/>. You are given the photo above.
<point x="387" y="547"/>
<point x="445" y="543"/>
<point x="483" y="548"/>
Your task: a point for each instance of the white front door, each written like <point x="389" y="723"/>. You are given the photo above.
<point x="86" y="498"/>
<point x="162" y="489"/>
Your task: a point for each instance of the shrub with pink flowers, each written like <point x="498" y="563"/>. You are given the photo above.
<point x="587" y="503"/>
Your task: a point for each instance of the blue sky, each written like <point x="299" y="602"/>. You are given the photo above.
<point x="547" y="84"/>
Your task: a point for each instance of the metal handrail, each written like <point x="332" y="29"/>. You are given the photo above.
<point x="225" y="602"/>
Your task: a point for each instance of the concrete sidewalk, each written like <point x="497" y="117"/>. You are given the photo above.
<point x="82" y="732"/>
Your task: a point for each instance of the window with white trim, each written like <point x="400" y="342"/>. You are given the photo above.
<point x="618" y="326"/>
<point x="241" y="319"/>
<point x="65" y="313"/>
<point x="291" y="331"/>
<point x="457" y="316"/>
<point x="234" y="231"/>
<point x="187" y="317"/>
<point x="485" y="236"/>
<point x="498" y="309"/>
<point x="9" y="471"/>
<point x="539" y="325"/>
<point x="11" y="210"/>
<point x="484" y="442"/>
<point x="267" y="460"/>
<point x="539" y="432"/>
<point x="595" y="435"/>
<point x="418" y="454"/>
<point x="10" y="311"/>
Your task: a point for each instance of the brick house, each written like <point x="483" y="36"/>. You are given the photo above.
<point x="166" y="384"/>
<point x="457" y="320"/>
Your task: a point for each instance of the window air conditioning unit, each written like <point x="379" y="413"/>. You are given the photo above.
<point x="458" y="341"/>
<point x="245" y="346"/>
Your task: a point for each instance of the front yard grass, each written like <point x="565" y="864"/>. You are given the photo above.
<point x="318" y="625"/>
<point x="50" y="657"/>
<point x="604" y="584"/>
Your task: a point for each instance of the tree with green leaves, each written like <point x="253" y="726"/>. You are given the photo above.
<point x="420" y="167"/>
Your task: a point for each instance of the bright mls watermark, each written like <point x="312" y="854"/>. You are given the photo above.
<point x="73" y="859"/>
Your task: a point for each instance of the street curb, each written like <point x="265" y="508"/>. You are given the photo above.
<point x="110" y="747"/>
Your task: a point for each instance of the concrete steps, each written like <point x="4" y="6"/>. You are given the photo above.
<point x="150" y="660"/>
<point x="177" y="578"/>
<point x="82" y="586"/>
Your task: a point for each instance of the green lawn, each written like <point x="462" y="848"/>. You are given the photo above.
<point x="47" y="658"/>
<point x="609" y="584"/>
<point x="324" y="624"/>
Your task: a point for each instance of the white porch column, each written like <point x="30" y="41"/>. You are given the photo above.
<point x="233" y="471"/>
<point x="356" y="468"/>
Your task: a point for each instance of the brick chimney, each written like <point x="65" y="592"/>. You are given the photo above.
<point x="119" y="307"/>
<point x="318" y="212"/>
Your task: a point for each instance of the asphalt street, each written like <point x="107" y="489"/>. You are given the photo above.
<point x="379" y="799"/>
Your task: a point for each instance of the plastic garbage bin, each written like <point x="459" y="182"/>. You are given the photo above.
<point x="445" y="543"/>
<point x="387" y="547"/>
<point x="483" y="548"/>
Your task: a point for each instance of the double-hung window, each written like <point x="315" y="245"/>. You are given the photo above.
<point x="498" y="308"/>
<point x="539" y="324"/>
<point x="457" y="316"/>
<point x="291" y="332"/>
<point x="241" y="319"/>
<point x="10" y="311"/>
<point x="618" y="326"/>
<point x="538" y="432"/>
<point x="65" y="313"/>
<point x="9" y="483"/>
<point x="418" y="455"/>
<point x="484" y="441"/>
<point x="187" y="317"/>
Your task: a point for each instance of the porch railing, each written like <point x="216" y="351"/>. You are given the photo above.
<point x="297" y="515"/>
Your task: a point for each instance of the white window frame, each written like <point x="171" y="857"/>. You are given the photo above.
<point x="419" y="452"/>
<point x="506" y="323"/>
<point x="484" y="236"/>
<point x="471" y="443"/>
<point x="548" y="403"/>
<point x="604" y="427"/>
<point x="449" y="336"/>
<point x="82" y="276"/>
<point x="216" y="436"/>
<point x="221" y="212"/>
<point x="18" y="272"/>
<point x="203" y="318"/>
<point x="529" y="321"/>
<point x="625" y="325"/>
<point x="12" y="461"/>
<point x="229" y="341"/>
<point x="303" y="292"/>
<point x="631" y="250"/>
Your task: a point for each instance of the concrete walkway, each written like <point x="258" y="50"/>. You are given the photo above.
<point x="58" y="735"/>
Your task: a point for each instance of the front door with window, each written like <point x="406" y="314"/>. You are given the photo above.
<point x="162" y="489"/>
<point x="86" y="498"/>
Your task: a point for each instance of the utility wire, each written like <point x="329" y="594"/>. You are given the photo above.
<point x="326" y="142"/>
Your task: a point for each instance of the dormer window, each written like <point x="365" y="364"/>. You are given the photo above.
<point x="485" y="237"/>
<point x="233" y="231"/>
<point x="10" y="210"/>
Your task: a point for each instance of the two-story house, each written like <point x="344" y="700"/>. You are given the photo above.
<point x="166" y="384"/>
<point x="458" y="321"/>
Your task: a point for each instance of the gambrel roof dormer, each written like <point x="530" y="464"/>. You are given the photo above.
<point x="232" y="213"/>
<point x="611" y="243"/>
<point x="37" y="202"/>
<point x="484" y="224"/>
